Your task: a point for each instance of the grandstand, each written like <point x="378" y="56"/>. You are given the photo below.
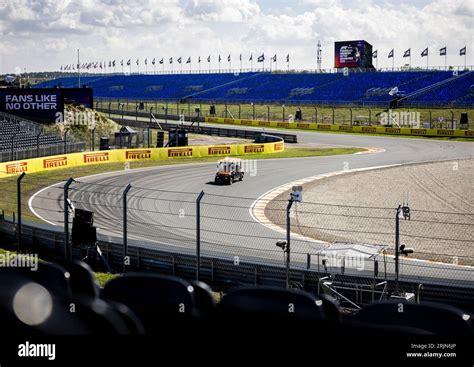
<point x="443" y="88"/>
<point x="22" y="139"/>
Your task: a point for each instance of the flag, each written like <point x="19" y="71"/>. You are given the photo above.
<point x="209" y="58"/>
<point x="228" y="58"/>
<point x="442" y="51"/>
<point x="390" y="54"/>
<point x="240" y="57"/>
<point x="219" y="58"/>
<point x="129" y="62"/>
<point x="199" y="59"/>
<point x="374" y="54"/>
<point x="162" y="61"/>
<point x="153" y="61"/>
<point x="261" y="58"/>
<point x="189" y="60"/>
<point x="274" y="58"/>
<point x="146" y="60"/>
<point x="121" y="62"/>
<point x="110" y="64"/>
<point x="100" y="66"/>
<point x="251" y="57"/>
<point x="138" y="61"/>
<point x="288" y="58"/>
<point x="113" y="63"/>
<point x="462" y="51"/>
<point x="171" y="60"/>
<point x="407" y="53"/>
<point x="425" y="52"/>
<point x="179" y="60"/>
<point x="61" y="68"/>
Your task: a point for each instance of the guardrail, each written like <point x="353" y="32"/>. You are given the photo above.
<point x="208" y="130"/>
<point x="346" y="128"/>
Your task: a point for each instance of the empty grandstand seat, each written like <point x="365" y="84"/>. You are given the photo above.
<point x="153" y="298"/>
<point x="272" y="303"/>
<point x="81" y="279"/>
<point x="430" y="317"/>
<point x="204" y="301"/>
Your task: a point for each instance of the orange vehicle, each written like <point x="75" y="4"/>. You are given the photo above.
<point x="229" y="170"/>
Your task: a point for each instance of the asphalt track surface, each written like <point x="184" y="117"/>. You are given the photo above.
<point x="161" y="202"/>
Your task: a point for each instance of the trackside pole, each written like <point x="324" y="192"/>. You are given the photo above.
<point x="18" y="193"/>
<point x="67" y="254"/>
<point x="125" y="245"/>
<point x="198" y="234"/>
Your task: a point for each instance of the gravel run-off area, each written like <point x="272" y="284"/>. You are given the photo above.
<point x="360" y="207"/>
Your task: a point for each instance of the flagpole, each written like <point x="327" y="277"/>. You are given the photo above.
<point x="445" y="60"/>
<point x="410" y="59"/>
<point x="78" y="70"/>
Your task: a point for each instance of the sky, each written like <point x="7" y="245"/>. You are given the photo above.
<point x="42" y="35"/>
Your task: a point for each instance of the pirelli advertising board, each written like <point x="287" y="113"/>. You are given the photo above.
<point x="347" y="128"/>
<point x="130" y="155"/>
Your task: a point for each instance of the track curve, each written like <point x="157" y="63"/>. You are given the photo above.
<point x="167" y="217"/>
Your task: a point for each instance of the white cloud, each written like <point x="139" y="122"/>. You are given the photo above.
<point x="43" y="34"/>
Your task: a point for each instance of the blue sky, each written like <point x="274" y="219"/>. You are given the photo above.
<point x="44" y="34"/>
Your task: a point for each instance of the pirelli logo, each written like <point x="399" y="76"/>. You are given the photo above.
<point x="54" y="162"/>
<point x="246" y="122"/>
<point x="96" y="157"/>
<point x="264" y="123"/>
<point x="138" y="154"/>
<point x="19" y="167"/>
<point x="368" y="129"/>
<point x="345" y="128"/>
<point x="184" y="152"/>
<point x="302" y="126"/>
<point x="218" y="150"/>
<point x="418" y="132"/>
<point x="254" y="149"/>
<point x="212" y="119"/>
<point x="278" y="146"/>
<point x="228" y="121"/>
<point x="446" y="132"/>
<point x="392" y="130"/>
<point x="469" y="133"/>
<point x="283" y="124"/>
<point x="324" y="127"/>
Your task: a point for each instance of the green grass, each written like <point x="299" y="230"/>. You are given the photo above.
<point x="101" y="278"/>
<point x="31" y="183"/>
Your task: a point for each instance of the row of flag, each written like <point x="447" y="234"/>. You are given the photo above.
<point x="112" y="64"/>
<point x="407" y="53"/>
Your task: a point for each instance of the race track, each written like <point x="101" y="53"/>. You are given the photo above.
<point x="162" y="200"/>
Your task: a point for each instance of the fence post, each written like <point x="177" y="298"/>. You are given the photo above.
<point x="283" y="113"/>
<point x="268" y="113"/>
<point x="333" y="115"/>
<point x="350" y="111"/>
<point x="38" y="144"/>
<point x="198" y="234"/>
<point x="110" y="107"/>
<point x="66" y="218"/>
<point x="125" y="245"/>
<point x="370" y="117"/>
<point x="12" y="158"/>
<point x="316" y="114"/>
<point x="288" y="237"/>
<point x="18" y="193"/>
<point x="239" y="110"/>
